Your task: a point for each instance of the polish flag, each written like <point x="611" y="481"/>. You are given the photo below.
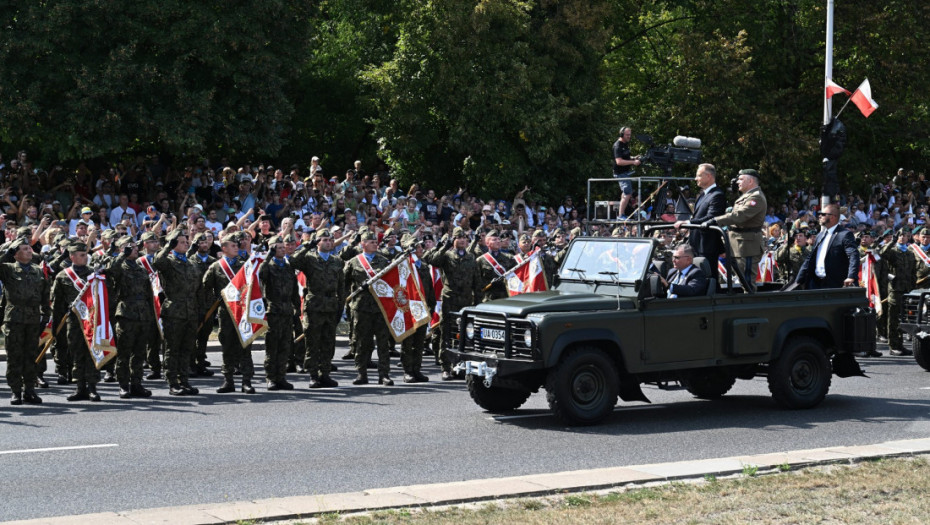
<point x="862" y="98"/>
<point x="833" y="88"/>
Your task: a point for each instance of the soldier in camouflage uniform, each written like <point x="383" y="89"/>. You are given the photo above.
<point x="459" y="283"/>
<point x="902" y="265"/>
<point x="923" y="271"/>
<point x="790" y="256"/>
<point x="64" y="362"/>
<point x="181" y="281"/>
<point x="367" y="319"/>
<point x="491" y="265"/>
<point x="412" y="347"/>
<point x="234" y="355"/>
<point x="155" y="346"/>
<point x="351" y="251"/>
<point x="279" y="289"/>
<point x="199" y="255"/>
<point x="26" y="294"/>
<point x="550" y="268"/>
<point x="65" y="289"/>
<point x="135" y="317"/>
<point x="324" y="298"/>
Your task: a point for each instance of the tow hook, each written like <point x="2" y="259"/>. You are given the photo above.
<point x="477" y="368"/>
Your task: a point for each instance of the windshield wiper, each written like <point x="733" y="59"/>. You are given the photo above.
<point x="581" y="273"/>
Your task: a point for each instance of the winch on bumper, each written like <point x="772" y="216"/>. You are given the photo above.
<point x="491" y="344"/>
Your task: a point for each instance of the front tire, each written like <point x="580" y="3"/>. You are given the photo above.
<point x="582" y="389"/>
<point x="800" y="377"/>
<point x="922" y="352"/>
<point x="708" y="384"/>
<point x="495" y="399"/>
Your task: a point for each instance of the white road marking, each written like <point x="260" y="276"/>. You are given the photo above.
<point x="925" y="388"/>
<point x="54" y="449"/>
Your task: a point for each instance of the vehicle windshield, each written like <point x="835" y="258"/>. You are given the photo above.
<point x="606" y="260"/>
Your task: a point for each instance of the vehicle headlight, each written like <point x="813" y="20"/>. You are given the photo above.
<point x="528" y="338"/>
<point x="470" y="330"/>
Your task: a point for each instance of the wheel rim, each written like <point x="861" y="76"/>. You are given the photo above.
<point x="588" y="386"/>
<point x="804" y="375"/>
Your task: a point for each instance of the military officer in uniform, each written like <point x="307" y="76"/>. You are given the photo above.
<point x="279" y="289"/>
<point x="459" y="282"/>
<point x="324" y="298"/>
<point x="26" y="294"/>
<point x="156" y="344"/>
<point x="181" y="282"/>
<point x="218" y="275"/>
<point x="744" y="226"/>
<point x="902" y="265"/>
<point x="411" y="356"/>
<point x="199" y="255"/>
<point x="65" y="289"/>
<point x="791" y="255"/>
<point x="367" y="320"/>
<point x="135" y="317"/>
<point x="491" y="265"/>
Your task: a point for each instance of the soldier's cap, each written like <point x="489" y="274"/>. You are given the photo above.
<point x="148" y="236"/>
<point x="62" y="242"/>
<point x="458" y="232"/>
<point x="493" y="233"/>
<point x="323" y="233"/>
<point x="369" y="235"/>
<point x="23" y="231"/>
<point x="108" y="234"/>
<point x="410" y="242"/>
<point x="539" y="233"/>
<point x="558" y="231"/>
<point x="200" y="237"/>
<point x="229" y="237"/>
<point x="76" y="247"/>
<point x="887" y="232"/>
<point x="289" y="238"/>
<point x="123" y="241"/>
<point x="576" y="231"/>
<point x="428" y="237"/>
<point x="749" y="171"/>
<point x="525" y="237"/>
<point x="918" y="230"/>
<point x="275" y="239"/>
<point x="174" y="235"/>
<point x="15" y="245"/>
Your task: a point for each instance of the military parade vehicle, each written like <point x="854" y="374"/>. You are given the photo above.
<point x="915" y="321"/>
<point x="606" y="327"/>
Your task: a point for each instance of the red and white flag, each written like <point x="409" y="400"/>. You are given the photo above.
<point x="436" y="276"/>
<point x="399" y="295"/>
<point x="527" y="277"/>
<point x="767" y="267"/>
<point x="301" y="286"/>
<point x="869" y="281"/>
<point x="862" y="98"/>
<point x="156" y="291"/>
<point x="243" y="299"/>
<point x="833" y="88"/>
<point x="922" y="255"/>
<point x="92" y="307"/>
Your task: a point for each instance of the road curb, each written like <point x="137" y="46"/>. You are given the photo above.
<point x="302" y="507"/>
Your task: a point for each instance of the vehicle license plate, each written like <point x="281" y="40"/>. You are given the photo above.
<point x="493" y="334"/>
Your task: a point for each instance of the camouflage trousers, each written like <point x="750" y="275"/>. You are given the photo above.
<point x="278" y="342"/>
<point x="234" y="355"/>
<point x="449" y="306"/>
<point x="64" y="362"/>
<point x="368" y="327"/>
<point x="180" y="336"/>
<point x="882" y="320"/>
<point x="199" y="355"/>
<point x="22" y="347"/>
<point x="320" y="341"/>
<point x="132" y="338"/>
<point x="411" y="355"/>
<point x="298" y="351"/>
<point x="155" y="348"/>
<point x="85" y="371"/>
<point x="893" y="313"/>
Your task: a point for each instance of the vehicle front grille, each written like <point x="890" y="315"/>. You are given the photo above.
<point x="498" y="334"/>
<point x="910" y="309"/>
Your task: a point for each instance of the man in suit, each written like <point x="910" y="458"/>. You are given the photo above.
<point x="685" y="279"/>
<point x="710" y="203"/>
<point x="833" y="261"/>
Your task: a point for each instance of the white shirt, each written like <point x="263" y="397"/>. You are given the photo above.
<point x="116" y="214"/>
<point x="821" y="270"/>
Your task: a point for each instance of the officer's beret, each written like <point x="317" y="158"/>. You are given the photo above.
<point x="887" y="232"/>
<point x="76" y="247"/>
<point x="458" y="232"/>
<point x="918" y="230"/>
<point x="493" y="233"/>
<point x="749" y="171"/>
<point x="369" y="235"/>
<point x="148" y="236"/>
<point x="323" y="233"/>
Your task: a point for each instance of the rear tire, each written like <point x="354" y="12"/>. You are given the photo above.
<point x="582" y="389"/>
<point x="922" y="352"/>
<point x="709" y="383"/>
<point x="800" y="377"/>
<point x="495" y="399"/>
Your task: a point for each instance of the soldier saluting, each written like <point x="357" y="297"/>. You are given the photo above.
<point x="491" y="265"/>
<point x="65" y="289"/>
<point x="367" y="320"/>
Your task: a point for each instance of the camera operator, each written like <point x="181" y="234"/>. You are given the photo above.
<point x="623" y="167"/>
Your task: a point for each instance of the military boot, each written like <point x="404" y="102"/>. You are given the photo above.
<point x="30" y="397"/>
<point x="63" y="379"/>
<point x="177" y="390"/>
<point x="188" y="389"/>
<point x="109" y="377"/>
<point x="124" y="391"/>
<point x="16" y="398"/>
<point x="81" y="394"/>
<point x="41" y="382"/>
<point x="92" y="393"/>
<point x="227" y="386"/>
<point x="385" y="380"/>
<point x="247" y="386"/>
<point x="323" y="382"/>
<point x="362" y="378"/>
<point x="139" y="391"/>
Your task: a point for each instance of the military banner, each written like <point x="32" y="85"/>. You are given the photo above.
<point x="436" y="276"/>
<point x="92" y="307"/>
<point x="399" y="295"/>
<point x="240" y="296"/>
<point x="869" y="281"/>
<point x="767" y="267"/>
<point x="156" y="292"/>
<point x="526" y="277"/>
<point x="922" y="255"/>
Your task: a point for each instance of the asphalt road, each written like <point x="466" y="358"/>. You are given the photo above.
<point x="121" y="455"/>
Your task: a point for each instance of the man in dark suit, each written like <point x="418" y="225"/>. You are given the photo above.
<point x="710" y="203"/>
<point x="685" y="279"/>
<point x="833" y="262"/>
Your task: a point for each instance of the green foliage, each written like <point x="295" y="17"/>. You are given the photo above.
<point x="750" y="470"/>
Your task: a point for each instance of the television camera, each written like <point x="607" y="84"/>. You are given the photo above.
<point x="682" y="150"/>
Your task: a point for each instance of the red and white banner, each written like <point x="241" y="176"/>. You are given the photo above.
<point x="833" y="88"/>
<point x="922" y="255"/>
<point x="436" y="276"/>
<point x="301" y="286"/>
<point x="46" y="333"/>
<point x="767" y="267"/>
<point x="527" y="277"/>
<point x="399" y="295"/>
<point x="869" y="281"/>
<point x="862" y="98"/>
<point x="92" y="307"/>
<point x="243" y="298"/>
<point x="156" y="291"/>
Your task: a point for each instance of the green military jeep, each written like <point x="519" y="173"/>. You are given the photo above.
<point x="605" y="329"/>
<point x="915" y="321"/>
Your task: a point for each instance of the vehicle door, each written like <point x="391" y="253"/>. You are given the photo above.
<point x="678" y="330"/>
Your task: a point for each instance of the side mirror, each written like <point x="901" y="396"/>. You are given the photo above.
<point x="637" y="285"/>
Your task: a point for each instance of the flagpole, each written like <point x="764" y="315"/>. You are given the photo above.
<point x="842" y="108"/>
<point x="828" y="74"/>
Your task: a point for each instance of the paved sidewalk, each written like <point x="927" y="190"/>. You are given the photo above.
<point x="300" y="507"/>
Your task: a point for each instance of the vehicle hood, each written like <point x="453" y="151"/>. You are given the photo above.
<point x="554" y="301"/>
